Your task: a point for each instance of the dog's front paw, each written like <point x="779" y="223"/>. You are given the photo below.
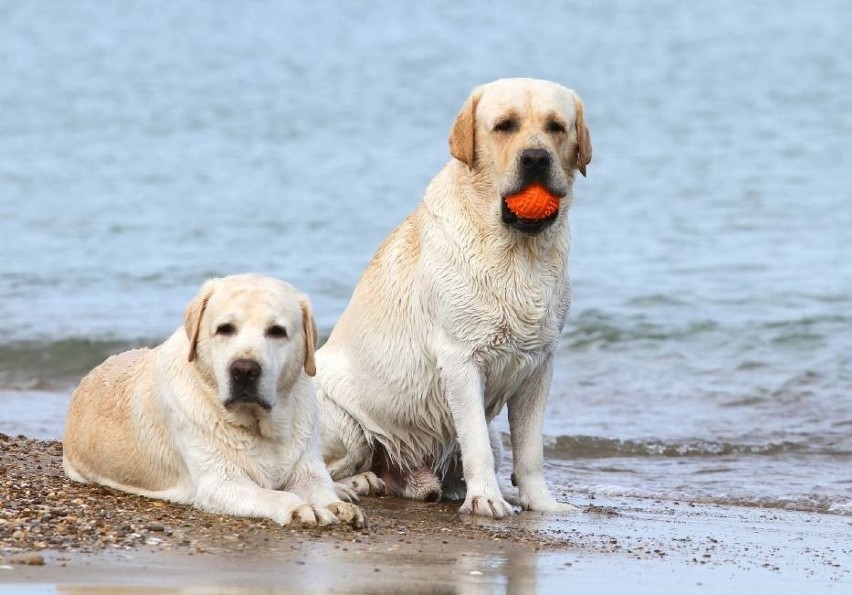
<point x="303" y="515"/>
<point x="487" y="505"/>
<point x="325" y="516"/>
<point x="348" y="513"/>
<point x="365" y="484"/>
<point x="312" y="516"/>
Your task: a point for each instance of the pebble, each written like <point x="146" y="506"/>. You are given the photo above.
<point x="28" y="560"/>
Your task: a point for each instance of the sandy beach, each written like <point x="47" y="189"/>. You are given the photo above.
<point x="56" y="536"/>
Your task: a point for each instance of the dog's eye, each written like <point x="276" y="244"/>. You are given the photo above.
<point x="276" y="331"/>
<point x="556" y="127"/>
<point x="507" y="125"/>
<point x="227" y="329"/>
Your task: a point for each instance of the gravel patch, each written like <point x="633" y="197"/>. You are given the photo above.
<point x="40" y="509"/>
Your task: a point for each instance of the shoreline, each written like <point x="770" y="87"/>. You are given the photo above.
<point x="89" y="535"/>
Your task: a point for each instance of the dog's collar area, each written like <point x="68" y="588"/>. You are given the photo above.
<point x="527" y="226"/>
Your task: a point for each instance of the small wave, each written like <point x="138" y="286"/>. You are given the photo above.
<point x="568" y="447"/>
<point x="56" y="365"/>
<point x="842" y="507"/>
<point x="594" y="327"/>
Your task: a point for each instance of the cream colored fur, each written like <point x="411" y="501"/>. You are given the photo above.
<point x="459" y="314"/>
<point x="154" y="422"/>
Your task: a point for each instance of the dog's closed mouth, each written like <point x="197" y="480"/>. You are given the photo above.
<point x="246" y="398"/>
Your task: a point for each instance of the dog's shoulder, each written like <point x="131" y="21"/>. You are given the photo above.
<point x="400" y="250"/>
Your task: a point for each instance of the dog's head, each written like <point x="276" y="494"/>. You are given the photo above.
<point x="251" y="336"/>
<point x="518" y="132"/>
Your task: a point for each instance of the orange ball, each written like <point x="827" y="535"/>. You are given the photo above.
<point x="534" y="202"/>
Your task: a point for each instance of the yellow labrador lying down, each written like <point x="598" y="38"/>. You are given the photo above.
<point x="459" y="313"/>
<point x="222" y="415"/>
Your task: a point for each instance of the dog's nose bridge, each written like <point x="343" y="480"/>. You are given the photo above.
<point x="247" y="346"/>
<point x="535" y="141"/>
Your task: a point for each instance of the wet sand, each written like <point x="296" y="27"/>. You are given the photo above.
<point x="57" y="536"/>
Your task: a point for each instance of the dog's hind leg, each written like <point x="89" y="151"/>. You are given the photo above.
<point x="360" y="484"/>
<point x="509" y="494"/>
<point x="346" y="454"/>
<point x="496" y="447"/>
<point x="452" y="482"/>
<point x="350" y="477"/>
<point x="344" y="447"/>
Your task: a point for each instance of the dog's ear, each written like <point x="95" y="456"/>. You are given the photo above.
<point x="463" y="132"/>
<point x="309" y="328"/>
<point x="193" y="315"/>
<point x="584" y="140"/>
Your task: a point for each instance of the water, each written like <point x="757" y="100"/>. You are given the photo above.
<point x="146" y="146"/>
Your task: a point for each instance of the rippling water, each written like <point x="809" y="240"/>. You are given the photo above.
<point x="147" y="146"/>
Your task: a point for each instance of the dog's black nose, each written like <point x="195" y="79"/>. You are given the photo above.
<point x="535" y="161"/>
<point x="245" y="370"/>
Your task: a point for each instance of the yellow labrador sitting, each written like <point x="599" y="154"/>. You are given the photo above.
<point x="459" y="313"/>
<point x="222" y="415"/>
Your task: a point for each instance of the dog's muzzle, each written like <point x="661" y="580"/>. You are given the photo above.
<point x="527" y="226"/>
<point x="534" y="167"/>
<point x="245" y="376"/>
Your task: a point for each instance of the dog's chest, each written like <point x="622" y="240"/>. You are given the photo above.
<point x="515" y="324"/>
<point x="272" y="466"/>
<point x="511" y="327"/>
<point x="512" y="349"/>
<point x="268" y="463"/>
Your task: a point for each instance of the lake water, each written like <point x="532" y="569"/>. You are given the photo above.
<point x="708" y="356"/>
